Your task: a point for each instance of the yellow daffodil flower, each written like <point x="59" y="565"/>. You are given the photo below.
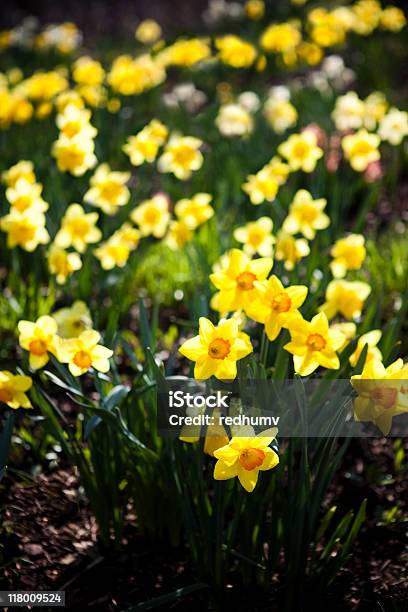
<point x="394" y="126"/>
<point x="261" y="186"/>
<point x="306" y="215"/>
<point x="382" y="393"/>
<point x="87" y="71"/>
<point x="186" y="52"/>
<point x="371" y="339"/>
<point x="179" y="233"/>
<point x="13" y="388"/>
<point x="78" y="229"/>
<point x="361" y="149"/>
<point x="108" y="189"/>
<point x="75" y="122"/>
<point x="392" y="18"/>
<point x="216" y="350"/>
<point x="346" y="298"/>
<point x="245" y="457"/>
<point x="148" y="32"/>
<point x="234" y="276"/>
<point x="74" y="155"/>
<point x="152" y="216"/>
<point x="348" y="254"/>
<point x="348" y="112"/>
<point x="313" y="344"/>
<point x="301" y="151"/>
<point x="73" y="321"/>
<point x="290" y="250"/>
<point x="39" y="339"/>
<point x="145" y="145"/>
<point x="275" y="305"/>
<point x="281" y="38"/>
<point x="116" y="250"/>
<point x="129" y="76"/>
<point x="62" y="264"/>
<point x="24" y="195"/>
<point x="194" y="211"/>
<point x="25" y="229"/>
<point x="235" y="51"/>
<point x="233" y="120"/>
<point x="254" y="9"/>
<point x="84" y="352"/>
<point x="256" y="237"/>
<point x="348" y="329"/>
<point x="22" y="170"/>
<point x="280" y="114"/>
<point x="181" y="156"/>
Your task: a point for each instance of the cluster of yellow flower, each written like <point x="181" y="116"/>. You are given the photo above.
<point x="80" y="350"/>
<point x="74" y="149"/>
<point x="25" y="223"/>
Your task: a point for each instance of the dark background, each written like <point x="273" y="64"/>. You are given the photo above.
<point x="99" y="17"/>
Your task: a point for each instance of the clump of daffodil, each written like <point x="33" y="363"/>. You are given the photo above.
<point x="74" y="121"/>
<point x="73" y="320"/>
<point x="152" y="216"/>
<point x="264" y="185"/>
<point x="13" y="389"/>
<point x="130" y="76"/>
<point x="116" y="250"/>
<point x="348" y="113"/>
<point x="275" y="305"/>
<point x="182" y="156"/>
<point x="186" y="52"/>
<point x="301" y="151"/>
<point x="281" y="38"/>
<point x="382" y="393"/>
<point x="24" y="195"/>
<point x="313" y="344"/>
<point x="25" y="229"/>
<point x="148" y="32"/>
<point x="217" y="349"/>
<point x="62" y="264"/>
<point x="394" y="126"/>
<point x="346" y="298"/>
<point x="371" y="339"/>
<point x="87" y="71"/>
<point x="235" y="51"/>
<point x="245" y="457"/>
<point x="280" y="113"/>
<point x="84" y="352"/>
<point x="234" y="276"/>
<point x="178" y="234"/>
<point x="361" y="149"/>
<point x="290" y="250"/>
<point x="144" y="146"/>
<point x="195" y="210"/>
<point x="78" y="229"/>
<point x="108" y="189"/>
<point x="392" y="18"/>
<point x="256" y="236"/>
<point x="39" y="339"/>
<point x="306" y="215"/>
<point x="22" y="170"/>
<point x="348" y="254"/>
<point x="234" y="120"/>
<point x="74" y="155"/>
<point x="254" y="9"/>
<point x="376" y="106"/>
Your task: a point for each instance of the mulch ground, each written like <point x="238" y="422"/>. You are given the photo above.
<point x="49" y="538"/>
